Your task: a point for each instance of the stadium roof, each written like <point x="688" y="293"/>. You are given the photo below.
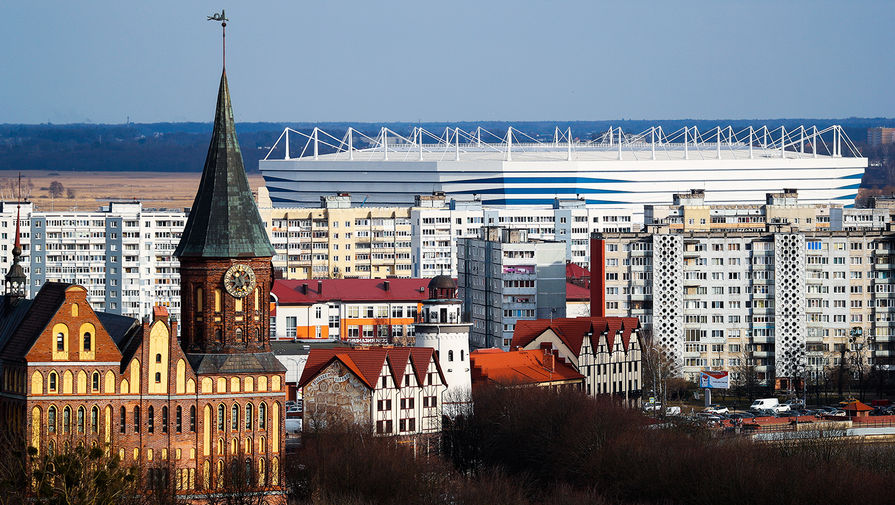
<point x="455" y="144"/>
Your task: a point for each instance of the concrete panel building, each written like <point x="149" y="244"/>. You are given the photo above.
<point x="505" y="277"/>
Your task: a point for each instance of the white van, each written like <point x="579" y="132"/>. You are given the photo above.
<point x="769" y="404"/>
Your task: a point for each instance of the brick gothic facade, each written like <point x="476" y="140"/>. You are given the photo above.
<point x="130" y="388"/>
<point x="188" y="410"/>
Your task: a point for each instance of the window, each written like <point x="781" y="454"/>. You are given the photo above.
<point x="462" y="355"/>
<point x="158" y="377"/>
<point x="158" y="358"/>
<point x="136" y="419"/>
<point x="221" y="417"/>
<point x="406" y="403"/>
<point x="52" y="381"/>
<point x="451" y="355"/>
<point x="51" y="419"/>
<point x="60" y="341"/>
<point x="178" y="419"/>
<point x="81" y="414"/>
<point x="383" y="405"/>
<point x="94" y="420"/>
<point x="193" y="419"/>
<point x="234" y="417"/>
<point x="95" y="381"/>
<point x="122" y="420"/>
<point x="165" y="419"/>
<point x="87" y="341"/>
<point x="262" y="416"/>
<point x="150" y="418"/>
<point x="250" y="416"/>
<point x="383" y="427"/>
<point x="66" y="420"/>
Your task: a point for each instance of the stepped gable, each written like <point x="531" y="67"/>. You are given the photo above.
<point x="573" y="330"/>
<point x="224" y="221"/>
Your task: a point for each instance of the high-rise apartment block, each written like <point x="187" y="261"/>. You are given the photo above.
<point x="783" y="299"/>
<point x="122" y="253"/>
<point x="878" y="136"/>
<point x="505" y="277"/>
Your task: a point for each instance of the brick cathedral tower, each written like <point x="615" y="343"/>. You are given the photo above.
<point x="225" y="262"/>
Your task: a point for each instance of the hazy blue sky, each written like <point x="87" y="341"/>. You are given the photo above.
<point x="102" y="61"/>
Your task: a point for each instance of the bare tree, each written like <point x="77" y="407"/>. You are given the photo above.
<point x="658" y="367"/>
<point x="746" y="376"/>
<point x="56" y="189"/>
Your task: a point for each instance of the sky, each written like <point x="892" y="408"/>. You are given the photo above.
<point x="391" y="60"/>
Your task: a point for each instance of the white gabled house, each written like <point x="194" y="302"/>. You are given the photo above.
<point x="606" y="350"/>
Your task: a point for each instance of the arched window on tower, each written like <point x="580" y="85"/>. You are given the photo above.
<point x="262" y="416"/>
<point x="94" y="383"/>
<point x="94" y="420"/>
<point x="217" y="335"/>
<point x="81" y="414"/>
<point x="451" y="355"/>
<point x="88" y="341"/>
<point x="122" y="420"/>
<point x="66" y="419"/>
<point x="258" y="334"/>
<point x="178" y="419"/>
<point x="150" y="419"/>
<point x="51" y="419"/>
<point x="234" y="417"/>
<point x="239" y="335"/>
<point x="250" y="416"/>
<point x="52" y="381"/>
<point x="199" y="300"/>
<point x="193" y="419"/>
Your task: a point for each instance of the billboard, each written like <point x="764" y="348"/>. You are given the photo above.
<point x="714" y="379"/>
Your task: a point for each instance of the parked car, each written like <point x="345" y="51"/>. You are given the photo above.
<point x="672" y="411"/>
<point x="652" y="407"/>
<point x="742" y="415"/>
<point x="769" y="404"/>
<point x="717" y="409"/>
<point x="795" y="403"/>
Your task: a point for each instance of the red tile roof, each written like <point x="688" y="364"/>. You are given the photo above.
<point x="574" y="271"/>
<point x="289" y="292"/>
<point x="575" y="292"/>
<point x="857" y="406"/>
<point x="516" y="368"/>
<point x="367" y="363"/>
<point x="573" y="330"/>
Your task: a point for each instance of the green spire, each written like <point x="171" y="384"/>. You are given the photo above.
<point x="224" y="221"/>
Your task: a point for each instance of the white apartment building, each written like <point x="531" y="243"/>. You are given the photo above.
<point x="505" y="277"/>
<point x="122" y="253"/>
<point x="787" y="300"/>
<point x="438" y="224"/>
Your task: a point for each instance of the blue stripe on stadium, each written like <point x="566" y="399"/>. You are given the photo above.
<point x="542" y="201"/>
<point x="847" y="197"/>
<point x="534" y="180"/>
<point x="853" y="176"/>
<point x="534" y="191"/>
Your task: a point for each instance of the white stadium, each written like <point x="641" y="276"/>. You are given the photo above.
<point x="618" y="169"/>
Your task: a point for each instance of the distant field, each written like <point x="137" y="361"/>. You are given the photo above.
<point x="92" y="189"/>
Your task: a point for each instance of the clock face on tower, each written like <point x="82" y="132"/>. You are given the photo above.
<point x="239" y="280"/>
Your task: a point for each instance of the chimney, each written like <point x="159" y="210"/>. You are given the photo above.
<point x="319" y="287"/>
<point x="597" y="277"/>
<point x="549" y="361"/>
<point x="304" y="288"/>
<point x="385" y="285"/>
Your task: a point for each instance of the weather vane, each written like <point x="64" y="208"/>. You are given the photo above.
<point x="222" y="17"/>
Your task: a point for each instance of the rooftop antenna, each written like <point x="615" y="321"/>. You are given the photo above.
<point x="223" y="19"/>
